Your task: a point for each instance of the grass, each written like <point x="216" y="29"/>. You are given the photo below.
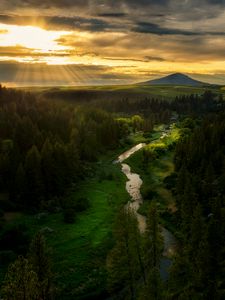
<point x="79" y="250"/>
<point x="138" y="137"/>
<point x="163" y="91"/>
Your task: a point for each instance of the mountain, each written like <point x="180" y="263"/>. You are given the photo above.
<point x="175" y="79"/>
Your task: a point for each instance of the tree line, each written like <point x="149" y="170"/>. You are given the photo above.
<point x="198" y="270"/>
<point x="45" y="146"/>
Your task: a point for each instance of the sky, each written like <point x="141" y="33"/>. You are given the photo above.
<point x="99" y="42"/>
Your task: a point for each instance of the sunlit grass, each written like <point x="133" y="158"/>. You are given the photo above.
<point x="79" y="250"/>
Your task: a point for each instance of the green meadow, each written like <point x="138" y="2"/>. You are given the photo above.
<point x="162" y="91"/>
<point x="79" y="250"/>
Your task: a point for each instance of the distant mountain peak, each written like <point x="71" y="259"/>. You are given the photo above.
<point x="175" y="79"/>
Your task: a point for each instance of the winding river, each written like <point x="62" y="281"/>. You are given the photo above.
<point x="133" y="186"/>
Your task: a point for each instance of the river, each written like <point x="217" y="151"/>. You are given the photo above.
<point x="133" y="186"/>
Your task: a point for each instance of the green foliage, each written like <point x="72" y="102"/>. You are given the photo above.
<point x="40" y="260"/>
<point x="198" y="271"/>
<point x="46" y="149"/>
<point x="124" y="262"/>
<point x="148" y="194"/>
<point x="153" y="170"/>
<point x="30" y="278"/>
<point x="21" y="282"/>
<point x="152" y="255"/>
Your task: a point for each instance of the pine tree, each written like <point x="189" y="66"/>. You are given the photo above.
<point x="20" y="185"/>
<point x="21" y="282"/>
<point x="123" y="262"/>
<point x="40" y="261"/>
<point x="34" y="193"/>
<point x="153" y="251"/>
<point x="48" y="168"/>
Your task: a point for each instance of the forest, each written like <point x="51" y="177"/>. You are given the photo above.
<point x="50" y="148"/>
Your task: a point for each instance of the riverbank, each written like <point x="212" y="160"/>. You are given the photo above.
<point x="153" y="172"/>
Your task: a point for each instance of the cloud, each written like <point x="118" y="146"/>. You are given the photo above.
<point x="144" y="27"/>
<point x="154" y="58"/>
<point x="45" y="4"/>
<point x="59" y="22"/>
<point x="112" y="15"/>
<point x="135" y="35"/>
<point x="140" y="47"/>
<point x="20" y="52"/>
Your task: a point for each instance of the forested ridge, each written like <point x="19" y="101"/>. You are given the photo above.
<point x="49" y="148"/>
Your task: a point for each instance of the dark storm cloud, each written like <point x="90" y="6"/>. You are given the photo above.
<point x="98" y="25"/>
<point x="144" y="59"/>
<point x="112" y="15"/>
<point x="83" y="3"/>
<point x="78" y="23"/>
<point x="109" y="6"/>
<point x="145" y="27"/>
<point x="216" y="2"/>
<point x="59" y="22"/>
<point x="162" y="17"/>
<point x="47" y="3"/>
<point x="154" y="58"/>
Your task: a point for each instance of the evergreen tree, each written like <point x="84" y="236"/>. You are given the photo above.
<point x="21" y="282"/>
<point x="153" y="252"/>
<point x="20" y="185"/>
<point x="123" y="262"/>
<point x="34" y="192"/>
<point x="40" y="261"/>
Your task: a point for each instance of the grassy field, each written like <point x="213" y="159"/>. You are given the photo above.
<point x="164" y="91"/>
<point x="79" y="250"/>
<point x="154" y="172"/>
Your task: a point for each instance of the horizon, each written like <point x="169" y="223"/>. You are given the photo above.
<point x="37" y="85"/>
<point x="98" y="43"/>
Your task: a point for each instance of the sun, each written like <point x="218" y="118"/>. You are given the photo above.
<point x="31" y="37"/>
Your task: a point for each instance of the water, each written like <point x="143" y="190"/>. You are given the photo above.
<point x="133" y="186"/>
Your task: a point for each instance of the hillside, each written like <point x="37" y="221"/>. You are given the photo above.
<point x="175" y="79"/>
